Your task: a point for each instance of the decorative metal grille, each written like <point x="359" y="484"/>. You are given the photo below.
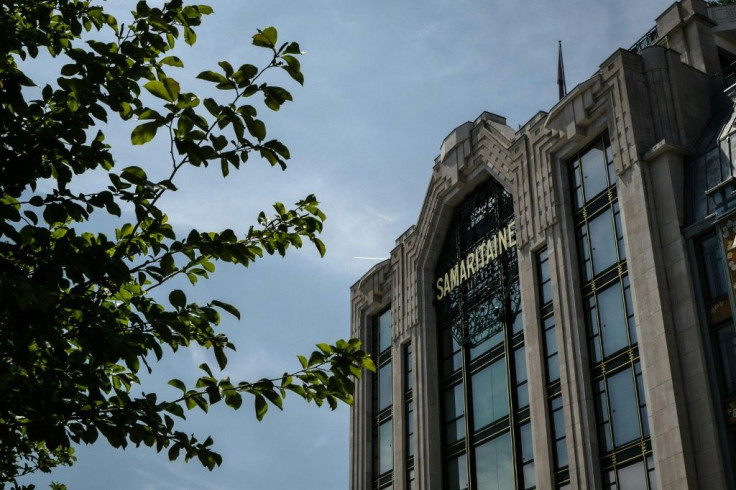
<point x="488" y="299"/>
<point x="646" y="40"/>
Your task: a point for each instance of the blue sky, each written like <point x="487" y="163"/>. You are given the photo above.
<point x="385" y="83"/>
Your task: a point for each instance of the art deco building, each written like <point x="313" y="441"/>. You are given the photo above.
<point x="562" y="313"/>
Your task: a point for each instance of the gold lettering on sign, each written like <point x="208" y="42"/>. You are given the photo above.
<point x="476" y="259"/>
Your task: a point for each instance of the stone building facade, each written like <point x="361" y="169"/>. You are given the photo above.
<point x="562" y="313"/>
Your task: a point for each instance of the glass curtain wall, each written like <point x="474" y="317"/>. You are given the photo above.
<point x="623" y="429"/>
<point x="383" y="453"/>
<point x="712" y="267"/>
<point x="486" y="426"/>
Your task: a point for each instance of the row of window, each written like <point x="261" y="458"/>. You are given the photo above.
<point x="552" y="370"/>
<point x="615" y="371"/>
<point x="383" y="455"/>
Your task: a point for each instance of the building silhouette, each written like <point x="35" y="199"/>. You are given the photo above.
<point x="562" y="313"/>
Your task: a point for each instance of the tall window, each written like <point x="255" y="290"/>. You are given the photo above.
<point x="486" y="425"/>
<point x="383" y="453"/>
<point x="623" y="431"/>
<point x="552" y="370"/>
<point x="409" y="416"/>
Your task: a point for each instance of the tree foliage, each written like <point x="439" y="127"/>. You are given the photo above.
<point x="78" y="319"/>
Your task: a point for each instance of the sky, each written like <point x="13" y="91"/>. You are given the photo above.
<point x="385" y="82"/>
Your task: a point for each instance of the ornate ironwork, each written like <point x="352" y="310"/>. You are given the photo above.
<point x="646" y="40"/>
<point x="488" y="299"/>
<point x="728" y="75"/>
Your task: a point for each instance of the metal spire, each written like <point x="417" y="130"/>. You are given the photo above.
<point x="561" y="73"/>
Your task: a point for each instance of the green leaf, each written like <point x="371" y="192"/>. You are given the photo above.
<point x="261" y="406"/>
<point x="134" y="175"/>
<point x="172" y="61"/>
<point x="167" y="88"/>
<point x="177" y="298"/>
<point x="70" y="70"/>
<point x="292" y="48"/>
<point x="245" y="73"/>
<point x="320" y="246"/>
<point x="266" y="38"/>
<point x="144" y="133"/>
<point x="178" y="384"/>
<point x="256" y="128"/>
<point x="220" y="357"/>
<point x="234" y="399"/>
<point x="326" y="348"/>
<point x="212" y="76"/>
<point x="174" y="452"/>
<point x="368" y="364"/>
<point x="274" y="398"/>
<point x="150" y="114"/>
<point x="226" y="67"/>
<point x="227" y="307"/>
<point x="189" y="36"/>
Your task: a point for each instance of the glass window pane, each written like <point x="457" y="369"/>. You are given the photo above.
<point x="561" y="453"/>
<point x="584" y="253"/>
<point x="457" y="473"/>
<point x="577" y="187"/>
<point x="715" y="278"/>
<point x="558" y="432"/>
<point x="632" y="477"/>
<point x="642" y="401"/>
<point x="527" y="455"/>
<point x="727" y="350"/>
<point x="624" y="410"/>
<point x="452" y="353"/>
<point x="603" y="420"/>
<point x="619" y="232"/>
<point x="385" y="452"/>
<point x="408" y="366"/>
<point x="558" y="418"/>
<point x="384" y="386"/>
<point x="612" y="320"/>
<point x="593" y="163"/>
<point x="591" y="318"/>
<point x="609" y="480"/>
<point x="522" y="390"/>
<point x="527" y="446"/>
<point x="653" y="485"/>
<point x="550" y="346"/>
<point x="546" y="292"/>
<point x="629" y="310"/>
<point x="602" y="241"/>
<point x="490" y="394"/>
<point x="609" y="164"/>
<point x="410" y="428"/>
<point x="455" y="413"/>
<point x="494" y="464"/>
<point x="384" y="331"/>
<point x="409" y="417"/>
<point x="517" y="321"/>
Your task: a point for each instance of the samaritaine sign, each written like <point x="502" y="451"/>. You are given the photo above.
<point x="476" y="259"/>
<point x="476" y="278"/>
